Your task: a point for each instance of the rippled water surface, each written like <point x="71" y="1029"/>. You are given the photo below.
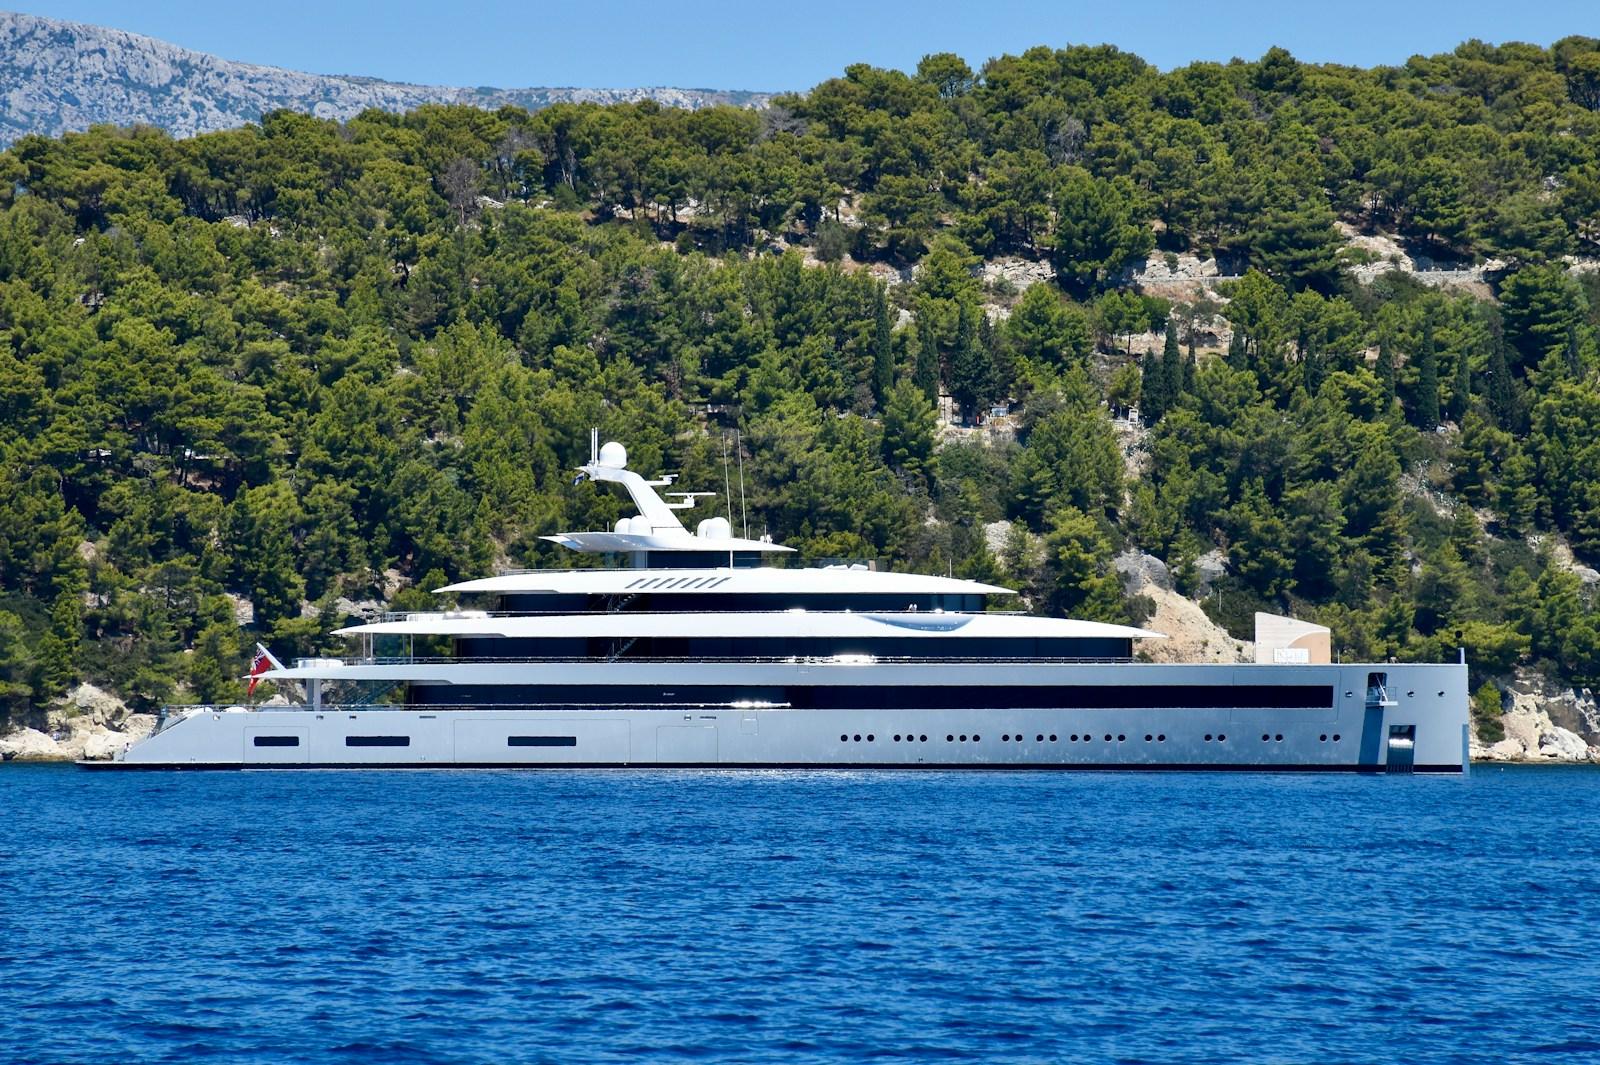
<point x="522" y="917"/>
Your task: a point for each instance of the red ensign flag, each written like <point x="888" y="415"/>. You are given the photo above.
<point x="259" y="665"/>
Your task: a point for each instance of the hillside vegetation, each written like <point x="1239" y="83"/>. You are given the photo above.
<point x="308" y="362"/>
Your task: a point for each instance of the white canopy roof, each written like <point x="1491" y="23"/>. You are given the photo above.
<point x="827" y="580"/>
<point x="786" y="624"/>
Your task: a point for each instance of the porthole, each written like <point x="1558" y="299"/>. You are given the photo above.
<point x="1265" y="737"/>
<point x="1322" y="738"/>
<point x="1074" y="737"/>
<point x="1221" y="737"/>
<point x="1411" y="695"/>
<point x="924" y="739"/>
<point x="1019" y="737"/>
<point x="1006" y="738"/>
<point x="1441" y="695"/>
<point x="1052" y="737"/>
<point x="1108" y="737"/>
<point x="897" y="737"/>
<point x="1121" y="738"/>
<point x="870" y="737"/>
<point x="1208" y="737"/>
<point x="974" y="737"/>
<point x="858" y="737"/>
<point x="1147" y="737"/>
<point x="844" y="739"/>
<point x="1039" y="738"/>
<point x="1161" y="737"/>
<point x="1278" y="738"/>
<point x="950" y="739"/>
<point x="1335" y="737"/>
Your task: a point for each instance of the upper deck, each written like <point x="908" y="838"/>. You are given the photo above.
<point x="832" y="581"/>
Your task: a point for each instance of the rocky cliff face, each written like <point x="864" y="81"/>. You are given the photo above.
<point x="87" y="723"/>
<point x="61" y="76"/>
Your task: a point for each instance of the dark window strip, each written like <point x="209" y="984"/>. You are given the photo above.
<point x="909" y="697"/>
<point x="377" y="741"/>
<point x="541" y="741"/>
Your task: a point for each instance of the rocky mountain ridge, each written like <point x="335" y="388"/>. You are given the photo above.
<point x="57" y="77"/>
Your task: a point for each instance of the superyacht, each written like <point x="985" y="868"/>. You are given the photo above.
<point x="695" y="654"/>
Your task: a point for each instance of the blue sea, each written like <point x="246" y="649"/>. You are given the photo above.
<point x="465" y="917"/>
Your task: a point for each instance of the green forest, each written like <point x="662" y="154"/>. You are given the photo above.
<point x="311" y="361"/>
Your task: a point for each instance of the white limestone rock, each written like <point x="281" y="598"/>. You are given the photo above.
<point x="244" y="611"/>
<point x="1137" y="567"/>
<point x="102" y="745"/>
<point x="1191" y="635"/>
<point x="1210" y="568"/>
<point x="995" y="535"/>
<point x="1020" y="274"/>
<point x="1506" y="750"/>
<point x="1563" y="746"/>
<point x="97" y="705"/>
<point x="30" y="745"/>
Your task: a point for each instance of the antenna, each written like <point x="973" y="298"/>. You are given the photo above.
<point x="594" y="447"/>
<point x="727" y="485"/>
<point x="744" y="521"/>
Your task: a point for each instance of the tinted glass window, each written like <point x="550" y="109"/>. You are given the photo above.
<point x="541" y="741"/>
<point x="377" y="741"/>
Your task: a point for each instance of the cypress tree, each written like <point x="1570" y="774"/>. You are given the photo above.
<point x="925" y="370"/>
<point x="1461" y="390"/>
<point x="1152" y="388"/>
<point x="1385" y="368"/>
<point x="1172" y="365"/>
<point x="1191" y="365"/>
<point x="1500" y="387"/>
<point x="882" y="351"/>
<point x="1238" y="355"/>
<point x="1427" y="407"/>
<point x="970" y="367"/>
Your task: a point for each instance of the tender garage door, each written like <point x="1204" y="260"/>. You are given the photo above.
<point x="687" y="743"/>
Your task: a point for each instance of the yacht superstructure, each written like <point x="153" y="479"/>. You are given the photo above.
<point x="696" y="655"/>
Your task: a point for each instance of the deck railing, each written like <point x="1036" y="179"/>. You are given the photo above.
<point x="792" y="660"/>
<point x="477" y="615"/>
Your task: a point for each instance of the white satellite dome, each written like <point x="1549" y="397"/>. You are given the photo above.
<point x="713" y="529"/>
<point x="613" y="455"/>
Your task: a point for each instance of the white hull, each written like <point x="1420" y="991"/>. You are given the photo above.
<point x="1424" y="715"/>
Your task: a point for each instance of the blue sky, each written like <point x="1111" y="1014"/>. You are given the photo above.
<point x="761" y="45"/>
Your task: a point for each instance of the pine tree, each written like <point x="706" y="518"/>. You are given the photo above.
<point x="59" y="648"/>
<point x="909" y="422"/>
<point x="1519" y="501"/>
